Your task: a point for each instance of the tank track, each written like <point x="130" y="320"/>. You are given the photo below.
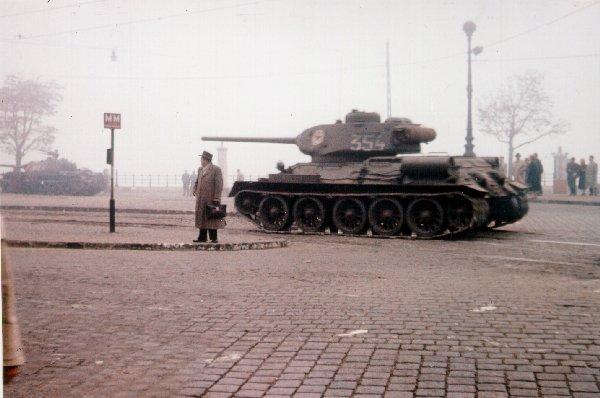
<point x="479" y="210"/>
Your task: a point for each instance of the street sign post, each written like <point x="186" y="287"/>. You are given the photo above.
<point x="112" y="121"/>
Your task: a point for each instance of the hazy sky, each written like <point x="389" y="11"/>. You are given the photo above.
<point x="273" y="68"/>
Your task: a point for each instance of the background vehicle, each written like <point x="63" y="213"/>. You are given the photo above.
<point x="54" y="176"/>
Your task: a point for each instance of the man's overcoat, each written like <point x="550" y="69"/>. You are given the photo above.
<point x="209" y="188"/>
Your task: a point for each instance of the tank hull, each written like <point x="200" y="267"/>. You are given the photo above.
<point x="78" y="183"/>
<point x="416" y="197"/>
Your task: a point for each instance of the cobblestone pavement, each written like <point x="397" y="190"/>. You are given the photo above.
<point x="514" y="311"/>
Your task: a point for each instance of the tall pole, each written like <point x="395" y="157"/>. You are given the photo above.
<point x="389" y="82"/>
<point x="469" y="28"/>
<point x="111" y="203"/>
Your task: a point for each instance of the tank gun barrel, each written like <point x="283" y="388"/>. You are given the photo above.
<point x="275" y="140"/>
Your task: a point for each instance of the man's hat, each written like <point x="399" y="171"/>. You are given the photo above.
<point x="206" y="155"/>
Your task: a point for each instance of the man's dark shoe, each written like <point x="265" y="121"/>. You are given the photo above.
<point x="214" y="241"/>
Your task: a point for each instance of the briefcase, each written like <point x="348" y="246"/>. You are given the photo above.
<point x="214" y="211"/>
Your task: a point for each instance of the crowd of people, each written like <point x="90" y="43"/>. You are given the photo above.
<point x="187" y="181"/>
<point x="529" y="171"/>
<point x="582" y="178"/>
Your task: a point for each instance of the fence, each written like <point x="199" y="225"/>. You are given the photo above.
<point x="165" y="180"/>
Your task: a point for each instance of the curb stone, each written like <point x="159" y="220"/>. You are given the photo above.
<point x="98" y="209"/>
<point x="147" y="246"/>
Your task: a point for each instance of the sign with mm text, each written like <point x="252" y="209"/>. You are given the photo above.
<point x="112" y="120"/>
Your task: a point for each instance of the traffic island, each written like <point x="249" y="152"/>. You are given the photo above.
<point x="35" y="244"/>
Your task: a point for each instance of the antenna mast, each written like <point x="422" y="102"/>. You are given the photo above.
<point x="389" y="83"/>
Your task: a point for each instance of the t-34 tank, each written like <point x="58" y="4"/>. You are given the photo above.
<point x="53" y="176"/>
<point x="356" y="182"/>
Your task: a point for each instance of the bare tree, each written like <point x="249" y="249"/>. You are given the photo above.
<point x="520" y="113"/>
<point x="23" y="106"/>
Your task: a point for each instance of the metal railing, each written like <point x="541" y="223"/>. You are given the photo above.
<point x="166" y="180"/>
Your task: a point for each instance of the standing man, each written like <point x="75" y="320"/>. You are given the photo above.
<point x="572" y="173"/>
<point x="239" y="176"/>
<point x="591" y="177"/>
<point x="582" y="173"/>
<point x="208" y="190"/>
<point x="185" y="181"/>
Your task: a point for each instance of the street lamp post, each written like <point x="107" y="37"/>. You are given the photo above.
<point x="469" y="27"/>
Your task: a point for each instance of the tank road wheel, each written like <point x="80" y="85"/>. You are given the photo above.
<point x="386" y="216"/>
<point x="309" y="214"/>
<point x="246" y="203"/>
<point x="460" y="214"/>
<point x="350" y="216"/>
<point x="274" y="213"/>
<point x="425" y="217"/>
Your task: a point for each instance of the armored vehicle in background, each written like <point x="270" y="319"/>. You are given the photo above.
<point x="356" y="183"/>
<point x="53" y="176"/>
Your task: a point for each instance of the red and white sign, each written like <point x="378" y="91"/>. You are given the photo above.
<point x="112" y="120"/>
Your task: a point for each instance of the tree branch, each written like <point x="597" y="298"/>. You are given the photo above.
<point x="519" y="108"/>
<point x="556" y="130"/>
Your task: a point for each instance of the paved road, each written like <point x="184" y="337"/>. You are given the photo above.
<point x="514" y="311"/>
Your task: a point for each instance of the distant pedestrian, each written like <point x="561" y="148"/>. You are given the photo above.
<point x="239" y="176"/>
<point x="534" y="174"/>
<point x="208" y="190"/>
<point x="572" y="174"/>
<point x="582" y="172"/>
<point x="540" y="171"/>
<point x="185" y="181"/>
<point x="192" y="184"/>
<point x="518" y="169"/>
<point x="524" y="172"/>
<point x="591" y="177"/>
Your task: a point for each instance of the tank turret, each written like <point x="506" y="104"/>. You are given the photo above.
<point x="360" y="137"/>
